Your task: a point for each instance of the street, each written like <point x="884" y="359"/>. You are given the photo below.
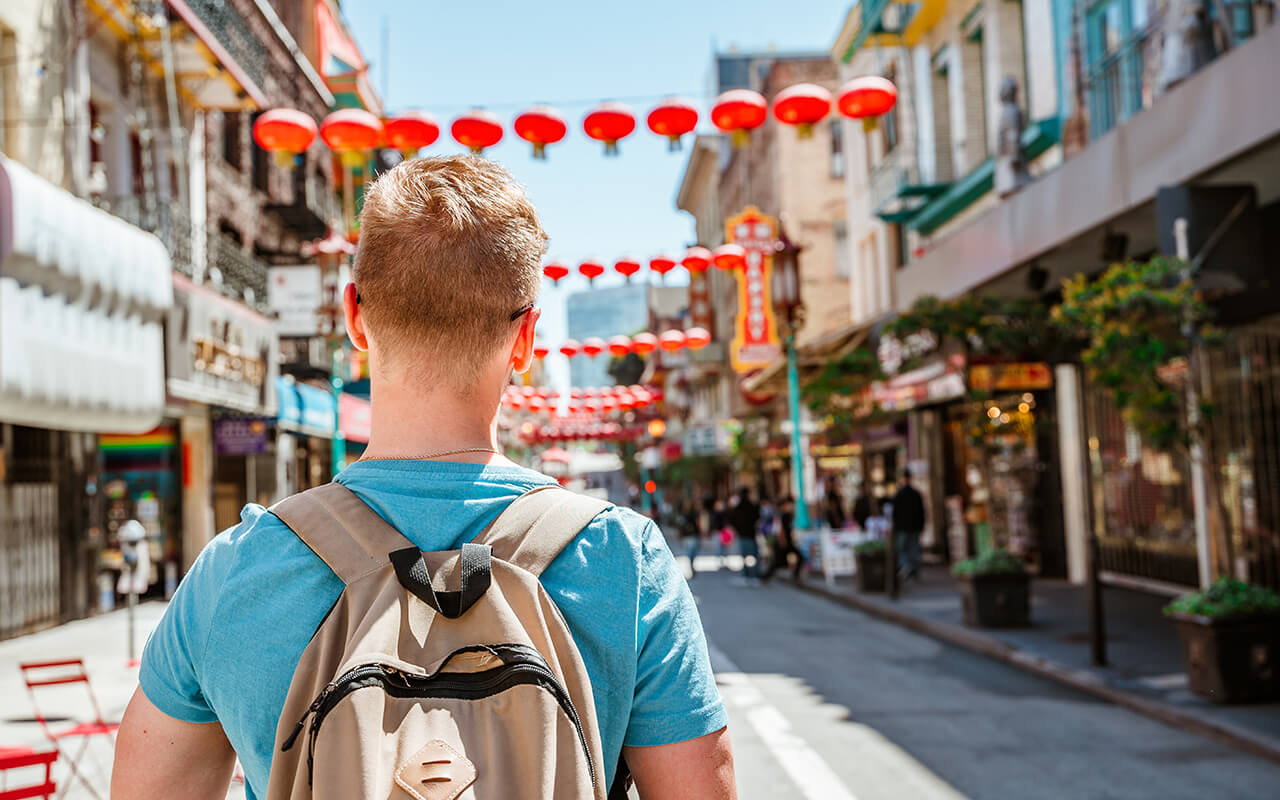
<point x="828" y="703"/>
<point x="824" y="702"/>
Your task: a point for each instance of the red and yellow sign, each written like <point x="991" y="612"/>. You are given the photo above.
<point x="755" y="332"/>
<point x="1020" y="376"/>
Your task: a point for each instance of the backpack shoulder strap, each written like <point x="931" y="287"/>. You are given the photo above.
<point x="538" y="524"/>
<point x="339" y="527"/>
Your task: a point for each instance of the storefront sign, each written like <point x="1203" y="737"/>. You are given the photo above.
<point x="296" y="294"/>
<point x="937" y="382"/>
<point x="355" y="417"/>
<point x="1010" y="377"/>
<point x="305" y="409"/>
<point x="219" y="351"/>
<point x="240" y="437"/>
<point x="755" y="332"/>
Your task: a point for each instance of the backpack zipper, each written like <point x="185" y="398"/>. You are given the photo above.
<point x="525" y="667"/>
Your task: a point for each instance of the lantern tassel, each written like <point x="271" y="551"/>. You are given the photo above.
<point x="804" y="130"/>
<point x="673" y="144"/>
<point x="477" y="151"/>
<point x="611" y="147"/>
<point x="869" y="124"/>
<point x="285" y="159"/>
<point x="740" y="138"/>
<point x="351" y="158"/>
<point x="540" y="151"/>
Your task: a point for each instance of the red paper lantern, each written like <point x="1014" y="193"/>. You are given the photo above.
<point x="644" y="343"/>
<point x="697" y="338"/>
<point x="591" y="269"/>
<point x="626" y="401"/>
<point x="627" y="266"/>
<point x="803" y="105"/>
<point x="619" y="346"/>
<point x="536" y="404"/>
<point x="593" y="346"/>
<point x="738" y="111"/>
<point x="729" y="257"/>
<point x="541" y="350"/>
<point x="672" y="340"/>
<point x="696" y="259"/>
<point x="673" y="118"/>
<point x="351" y="132"/>
<point x="662" y="264"/>
<point x="866" y="98"/>
<point x="516" y="402"/>
<point x="540" y="126"/>
<point x="608" y="405"/>
<point x="284" y="132"/>
<point x="609" y="122"/>
<point x="476" y="130"/>
<point x="555" y="271"/>
<point x="569" y="348"/>
<point x="411" y="131"/>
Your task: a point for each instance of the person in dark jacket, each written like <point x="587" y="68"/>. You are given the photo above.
<point x="862" y="509"/>
<point x="785" y="543"/>
<point x="908" y="524"/>
<point x="744" y="518"/>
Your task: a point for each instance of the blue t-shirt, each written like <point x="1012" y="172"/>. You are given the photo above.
<point x="228" y="644"/>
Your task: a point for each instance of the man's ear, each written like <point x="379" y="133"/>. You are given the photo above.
<point x="355" y="320"/>
<point x="522" y="349"/>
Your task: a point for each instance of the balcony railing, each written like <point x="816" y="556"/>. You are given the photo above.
<point x="897" y="190"/>
<point x="225" y="22"/>
<point x="202" y="255"/>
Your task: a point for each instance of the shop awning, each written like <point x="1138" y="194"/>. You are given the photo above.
<point x="355" y="418"/>
<point x="304" y="408"/>
<point x="811" y="357"/>
<point x="82" y="297"/>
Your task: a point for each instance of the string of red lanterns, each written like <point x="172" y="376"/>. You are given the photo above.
<point x="695" y="259"/>
<point x="641" y="344"/>
<point x="588" y="402"/>
<point x="287" y="132"/>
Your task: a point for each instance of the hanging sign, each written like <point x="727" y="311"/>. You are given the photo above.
<point x="755" y="332"/>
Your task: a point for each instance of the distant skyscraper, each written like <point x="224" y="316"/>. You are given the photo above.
<point x="604" y="313"/>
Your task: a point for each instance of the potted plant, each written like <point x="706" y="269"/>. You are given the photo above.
<point x="870" y="572"/>
<point x="997" y="590"/>
<point x="1231" y="639"/>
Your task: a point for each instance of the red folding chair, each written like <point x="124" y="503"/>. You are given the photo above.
<point x="48" y="674"/>
<point x="19" y="757"/>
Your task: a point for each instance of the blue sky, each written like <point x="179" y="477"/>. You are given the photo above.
<point x="445" y="57"/>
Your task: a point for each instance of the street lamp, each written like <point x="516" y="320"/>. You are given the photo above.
<point x="790" y="315"/>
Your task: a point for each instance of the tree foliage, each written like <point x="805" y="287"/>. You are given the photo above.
<point x="1136" y="320"/>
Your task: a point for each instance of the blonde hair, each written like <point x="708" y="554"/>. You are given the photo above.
<point x="449" y="249"/>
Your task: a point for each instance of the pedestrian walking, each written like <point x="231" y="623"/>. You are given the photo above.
<point x="588" y="624"/>
<point x="863" y="508"/>
<point x="785" y="544"/>
<point x="720" y="530"/>
<point x="690" y="532"/>
<point x="908" y="524"/>
<point x="834" y="508"/>
<point x="880" y="524"/>
<point x="744" y="518"/>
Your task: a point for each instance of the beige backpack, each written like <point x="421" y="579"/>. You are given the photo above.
<point x="411" y="691"/>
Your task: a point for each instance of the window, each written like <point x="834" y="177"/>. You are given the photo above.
<point x="1116" y="32"/>
<point x="840" y="229"/>
<point x="231" y="138"/>
<point x="898" y="256"/>
<point x="837" y="148"/>
<point x="889" y="123"/>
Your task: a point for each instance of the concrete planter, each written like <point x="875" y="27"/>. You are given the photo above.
<point x="997" y="600"/>
<point x="1231" y="660"/>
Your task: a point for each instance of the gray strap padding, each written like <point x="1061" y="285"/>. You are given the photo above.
<point x="340" y="528"/>
<point x="538" y="524"/>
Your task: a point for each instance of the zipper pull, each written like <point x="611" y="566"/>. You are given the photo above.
<point x="313" y="708"/>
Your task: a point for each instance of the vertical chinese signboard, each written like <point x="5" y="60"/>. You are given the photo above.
<point x="755" y="332"/>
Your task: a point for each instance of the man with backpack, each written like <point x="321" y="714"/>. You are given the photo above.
<point x="438" y="620"/>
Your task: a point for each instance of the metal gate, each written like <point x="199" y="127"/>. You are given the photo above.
<point x="29" y="557"/>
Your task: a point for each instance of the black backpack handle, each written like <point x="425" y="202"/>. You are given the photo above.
<point x="473" y="568"/>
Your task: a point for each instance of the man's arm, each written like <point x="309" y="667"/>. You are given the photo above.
<point x="699" y="769"/>
<point x="159" y="757"/>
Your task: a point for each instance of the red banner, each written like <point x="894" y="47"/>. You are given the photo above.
<point x="755" y="333"/>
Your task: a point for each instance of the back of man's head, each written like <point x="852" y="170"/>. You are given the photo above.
<point x="449" y="249"/>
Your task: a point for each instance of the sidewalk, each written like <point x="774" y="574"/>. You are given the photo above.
<point x="1146" y="672"/>
<point x="102" y="642"/>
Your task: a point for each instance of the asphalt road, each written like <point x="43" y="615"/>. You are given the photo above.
<point x="828" y="703"/>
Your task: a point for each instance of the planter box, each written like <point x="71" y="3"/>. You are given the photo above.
<point x="997" y="601"/>
<point x="870" y="573"/>
<point x="1231" y="660"/>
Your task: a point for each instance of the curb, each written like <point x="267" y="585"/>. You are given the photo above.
<point x="1247" y="741"/>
